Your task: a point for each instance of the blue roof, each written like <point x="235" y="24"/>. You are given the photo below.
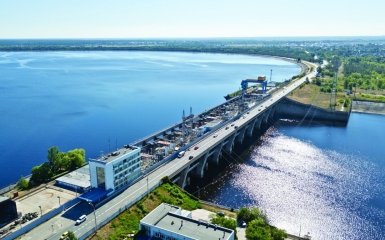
<point x="95" y="195"/>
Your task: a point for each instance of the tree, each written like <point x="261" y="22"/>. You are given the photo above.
<point x="57" y="163"/>
<point x="250" y="214"/>
<point x="278" y="234"/>
<point x="76" y="158"/>
<point x="40" y="174"/>
<point x="225" y="222"/>
<point x="71" y="236"/>
<point x="53" y="158"/>
<point x="22" y="184"/>
<point x="258" y="230"/>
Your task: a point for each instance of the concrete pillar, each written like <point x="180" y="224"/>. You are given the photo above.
<point x="183" y="177"/>
<point x="201" y="165"/>
<point x="251" y="128"/>
<point x="272" y="113"/>
<point x="259" y="122"/>
<point x="217" y="153"/>
<point x="266" y="116"/>
<point x="230" y="143"/>
<point x="241" y="135"/>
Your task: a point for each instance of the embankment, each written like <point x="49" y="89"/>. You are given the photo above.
<point x="291" y="109"/>
<point x="368" y="107"/>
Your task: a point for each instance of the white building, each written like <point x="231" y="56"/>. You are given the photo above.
<point x="116" y="169"/>
<point x="173" y="223"/>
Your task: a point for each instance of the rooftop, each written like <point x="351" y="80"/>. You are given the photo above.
<point x="114" y="155"/>
<point x="174" y="219"/>
<point x="80" y="177"/>
<point x="3" y="198"/>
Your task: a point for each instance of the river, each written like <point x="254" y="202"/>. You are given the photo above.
<point x="99" y="100"/>
<point x="326" y="180"/>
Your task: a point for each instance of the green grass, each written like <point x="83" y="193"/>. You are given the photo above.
<point x="370" y="97"/>
<point x="128" y="221"/>
<point x="312" y="94"/>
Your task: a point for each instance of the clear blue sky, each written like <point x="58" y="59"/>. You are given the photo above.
<point x="189" y="18"/>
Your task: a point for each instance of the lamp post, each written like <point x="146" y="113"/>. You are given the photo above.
<point x="89" y="202"/>
<point x="58" y="197"/>
<point x="41" y="212"/>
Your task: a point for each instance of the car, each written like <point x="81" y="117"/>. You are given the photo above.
<point x="235" y="127"/>
<point x="64" y="236"/>
<point x="191" y="157"/>
<point x="181" y="154"/>
<point x="81" y="219"/>
<point x="221" y="213"/>
<point x="215" y="136"/>
<point x="227" y="128"/>
<point x="232" y="125"/>
<point x="196" y="147"/>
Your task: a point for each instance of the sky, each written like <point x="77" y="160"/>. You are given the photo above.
<point x="190" y="18"/>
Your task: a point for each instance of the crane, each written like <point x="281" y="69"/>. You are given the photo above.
<point x="261" y="80"/>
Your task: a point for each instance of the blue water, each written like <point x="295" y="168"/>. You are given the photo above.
<point x="329" y="181"/>
<point x="100" y="100"/>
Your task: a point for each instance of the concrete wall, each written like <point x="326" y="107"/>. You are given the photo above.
<point x="291" y="109"/>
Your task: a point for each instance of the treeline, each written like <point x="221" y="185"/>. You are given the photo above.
<point x="359" y="73"/>
<point x="57" y="163"/>
<point x="365" y="73"/>
<point x="364" y="65"/>
<point x="272" y="48"/>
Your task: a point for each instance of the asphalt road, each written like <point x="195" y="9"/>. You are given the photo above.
<point x="53" y="228"/>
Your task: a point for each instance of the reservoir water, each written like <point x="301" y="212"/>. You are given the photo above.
<point x="329" y="181"/>
<point x="100" y="100"/>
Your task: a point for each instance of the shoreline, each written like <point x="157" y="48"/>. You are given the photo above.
<point x="368" y="107"/>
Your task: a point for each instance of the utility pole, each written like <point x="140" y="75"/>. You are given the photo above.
<point x="58" y="197"/>
<point x="89" y="202"/>
<point x="333" y="93"/>
<point x="271" y="74"/>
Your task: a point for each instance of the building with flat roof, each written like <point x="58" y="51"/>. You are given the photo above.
<point x="78" y="180"/>
<point x="8" y="211"/>
<point x="115" y="170"/>
<point x="173" y="223"/>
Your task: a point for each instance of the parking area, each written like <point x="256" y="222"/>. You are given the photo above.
<point x="44" y="200"/>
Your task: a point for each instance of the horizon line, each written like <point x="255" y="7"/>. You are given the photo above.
<point x="189" y="38"/>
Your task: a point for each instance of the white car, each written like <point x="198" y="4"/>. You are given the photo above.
<point x="81" y="219"/>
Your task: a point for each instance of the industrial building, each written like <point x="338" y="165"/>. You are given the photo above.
<point x="173" y="223"/>
<point x="8" y="211"/>
<point x="115" y="170"/>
